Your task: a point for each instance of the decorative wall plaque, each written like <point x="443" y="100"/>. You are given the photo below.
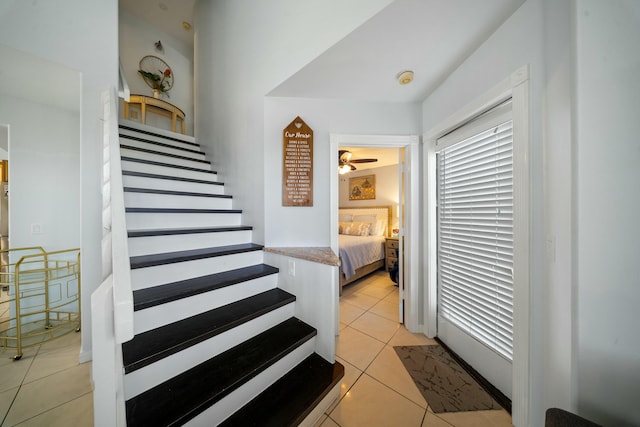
<point x="297" y="164"/>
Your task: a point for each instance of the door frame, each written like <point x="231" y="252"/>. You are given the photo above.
<point x="516" y="86"/>
<point x="412" y="208"/>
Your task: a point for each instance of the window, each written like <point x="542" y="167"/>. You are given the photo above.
<point x="475" y="229"/>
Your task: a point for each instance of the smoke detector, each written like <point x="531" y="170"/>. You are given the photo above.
<point x="405" y="77"/>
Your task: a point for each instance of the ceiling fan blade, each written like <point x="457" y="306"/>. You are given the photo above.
<point x="363" y="160"/>
<point x="344" y="156"/>
<point x="352" y="167"/>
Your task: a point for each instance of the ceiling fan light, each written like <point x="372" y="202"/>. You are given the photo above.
<point x="342" y="169"/>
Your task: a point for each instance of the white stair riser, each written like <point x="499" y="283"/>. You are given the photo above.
<point x="142" y="278"/>
<point x="168" y="171"/>
<point x="162" y="148"/>
<point x="153" y="221"/>
<point x="245" y="393"/>
<point x="150" y="139"/>
<point x="170" y="185"/>
<point x="151" y="200"/>
<point x="145" y="378"/>
<point x="154" y="130"/>
<point x="182" y="242"/>
<point x="126" y="152"/>
<point x="154" y="317"/>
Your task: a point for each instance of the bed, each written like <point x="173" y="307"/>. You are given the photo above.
<point x="361" y="238"/>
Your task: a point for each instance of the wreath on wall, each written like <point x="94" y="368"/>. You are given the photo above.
<point x="156" y="74"/>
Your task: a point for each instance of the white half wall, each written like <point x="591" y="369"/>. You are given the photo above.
<point x="608" y="201"/>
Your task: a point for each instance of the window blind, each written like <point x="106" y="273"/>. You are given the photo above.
<point x="475" y="236"/>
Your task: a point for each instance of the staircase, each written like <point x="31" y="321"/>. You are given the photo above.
<point x="216" y="341"/>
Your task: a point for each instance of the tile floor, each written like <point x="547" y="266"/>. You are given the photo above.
<point x="376" y="388"/>
<point x="48" y="387"/>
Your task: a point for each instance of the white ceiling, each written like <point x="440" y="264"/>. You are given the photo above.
<point x="167" y="15"/>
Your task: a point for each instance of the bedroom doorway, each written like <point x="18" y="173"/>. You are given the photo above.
<point x="406" y="212"/>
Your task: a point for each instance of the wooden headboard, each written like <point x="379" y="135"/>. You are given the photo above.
<point x="381" y="212"/>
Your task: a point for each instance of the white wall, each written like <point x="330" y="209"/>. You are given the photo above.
<point x="81" y="35"/>
<point x="309" y="226"/>
<point x="387" y="193"/>
<point x="244" y="49"/>
<point x="608" y="201"/>
<point x="137" y="39"/>
<point x="530" y="37"/>
<point x="44" y="164"/>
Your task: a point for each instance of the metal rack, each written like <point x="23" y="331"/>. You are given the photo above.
<point x="39" y="296"/>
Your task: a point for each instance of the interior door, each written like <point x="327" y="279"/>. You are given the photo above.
<point x="401" y="232"/>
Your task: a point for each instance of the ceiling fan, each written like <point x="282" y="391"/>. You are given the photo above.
<point x="345" y="163"/>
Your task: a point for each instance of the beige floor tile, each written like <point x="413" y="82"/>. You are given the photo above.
<point x="477" y="418"/>
<point x="432" y="420"/>
<point x="49" y="392"/>
<point x="404" y="337"/>
<point x="6" y="399"/>
<point x="363" y="301"/>
<point x="357" y="348"/>
<point x="393" y="298"/>
<point x="387" y="310"/>
<point x="376" y="326"/>
<point x="349" y="312"/>
<point x="12" y="372"/>
<point x="54" y="356"/>
<point x="370" y="403"/>
<point x="320" y="421"/>
<point x="351" y="375"/>
<point x="78" y="412"/>
<point x="376" y="291"/>
<point x="389" y="370"/>
<point x="328" y="422"/>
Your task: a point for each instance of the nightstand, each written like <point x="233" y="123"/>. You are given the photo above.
<point x="391" y="251"/>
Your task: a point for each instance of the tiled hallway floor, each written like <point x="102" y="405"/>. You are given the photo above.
<point x="48" y="387"/>
<point x="376" y="388"/>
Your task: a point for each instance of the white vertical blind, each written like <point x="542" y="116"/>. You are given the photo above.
<point x="475" y="234"/>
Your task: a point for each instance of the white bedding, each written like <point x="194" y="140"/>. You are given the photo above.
<point x="358" y="251"/>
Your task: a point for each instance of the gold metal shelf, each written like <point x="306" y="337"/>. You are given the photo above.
<point x="39" y="296"/>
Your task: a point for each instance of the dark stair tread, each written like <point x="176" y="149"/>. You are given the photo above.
<point x="167" y="165"/>
<point x="173" y="193"/>
<point x="156" y="344"/>
<point x="174" y="231"/>
<point x="183" y="397"/>
<point x="151" y="297"/>
<point x="162" y="153"/>
<point x="289" y="400"/>
<point x="148" y="132"/>
<point x="143" y="261"/>
<point x="171" y="178"/>
<point x="181" y="210"/>
<point x="162" y="144"/>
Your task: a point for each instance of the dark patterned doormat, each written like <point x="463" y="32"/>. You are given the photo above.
<point x="445" y="385"/>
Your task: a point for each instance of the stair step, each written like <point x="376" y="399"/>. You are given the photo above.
<point x="174" y="231"/>
<point x="161" y="145"/>
<point x="290" y="399"/>
<point x="147" y="218"/>
<point x="135" y="127"/>
<point x="138" y="164"/>
<point x="157" y="198"/>
<point x="129" y="151"/>
<point x="150" y="297"/>
<point x="144" y="261"/>
<point x="159" y="343"/>
<point x="164" y="180"/>
<point x="183" y="397"/>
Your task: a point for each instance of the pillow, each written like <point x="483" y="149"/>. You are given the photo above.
<point x="354" y="228"/>
<point x="379" y="228"/>
<point x="345" y="217"/>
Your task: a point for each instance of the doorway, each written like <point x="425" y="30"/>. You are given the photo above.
<point x="410" y="173"/>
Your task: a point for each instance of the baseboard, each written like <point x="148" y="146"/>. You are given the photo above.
<point x="85" y="356"/>
<point x="324" y="404"/>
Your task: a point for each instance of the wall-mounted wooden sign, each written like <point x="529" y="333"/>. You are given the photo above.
<point x="297" y="164"/>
